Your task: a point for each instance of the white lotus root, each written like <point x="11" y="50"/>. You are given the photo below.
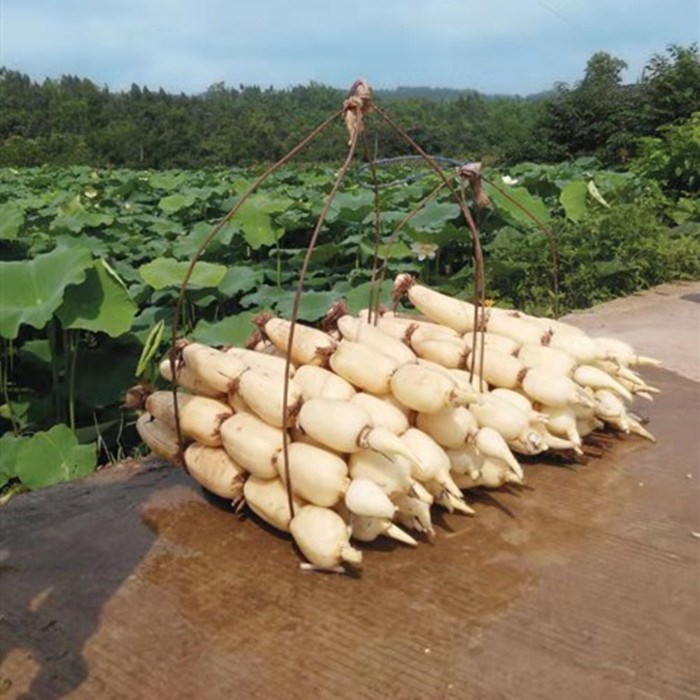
<point x="387" y="420"/>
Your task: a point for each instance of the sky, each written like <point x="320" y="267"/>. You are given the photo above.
<point x="494" y="46"/>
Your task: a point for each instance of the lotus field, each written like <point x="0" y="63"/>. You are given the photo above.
<point x="92" y="262"/>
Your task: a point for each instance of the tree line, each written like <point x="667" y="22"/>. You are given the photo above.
<point x="72" y="120"/>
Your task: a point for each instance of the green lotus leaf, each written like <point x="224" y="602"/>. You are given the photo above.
<point x="33" y="289"/>
<point x="255" y="220"/>
<point x="264" y="296"/>
<point x="232" y="330"/>
<point x="187" y="244"/>
<point x="397" y="250"/>
<point x="53" y="456"/>
<point x="434" y="215"/>
<point x="9" y="447"/>
<point x="100" y="303"/>
<point x="11" y="220"/>
<point x="510" y="209"/>
<point x="173" y="203"/>
<point x="168" y="272"/>
<point x="573" y="199"/>
<point x="312" y="305"/>
<point x="240" y="279"/>
<point x="358" y="297"/>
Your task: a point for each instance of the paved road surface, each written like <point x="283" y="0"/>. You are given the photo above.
<point x="663" y="322"/>
<point x="583" y="584"/>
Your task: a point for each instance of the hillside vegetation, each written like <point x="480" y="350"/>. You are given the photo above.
<point x="72" y="121"/>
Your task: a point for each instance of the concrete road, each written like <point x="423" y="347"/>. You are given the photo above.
<point x="663" y="322"/>
<point x="583" y="584"/>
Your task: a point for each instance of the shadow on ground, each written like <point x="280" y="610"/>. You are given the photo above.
<point x="62" y="557"/>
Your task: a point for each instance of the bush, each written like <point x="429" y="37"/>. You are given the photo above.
<point x="606" y="255"/>
<point x="673" y="158"/>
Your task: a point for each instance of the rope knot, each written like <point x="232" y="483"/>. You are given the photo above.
<point x="357" y="103"/>
<point x="472" y="173"/>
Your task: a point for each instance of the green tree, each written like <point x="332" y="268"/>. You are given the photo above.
<point x="671" y="86"/>
<point x="603" y="72"/>
<point x="598" y="115"/>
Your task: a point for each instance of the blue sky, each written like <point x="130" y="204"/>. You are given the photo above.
<point x="505" y="46"/>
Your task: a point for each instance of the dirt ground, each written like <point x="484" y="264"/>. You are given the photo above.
<point x="585" y="583"/>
